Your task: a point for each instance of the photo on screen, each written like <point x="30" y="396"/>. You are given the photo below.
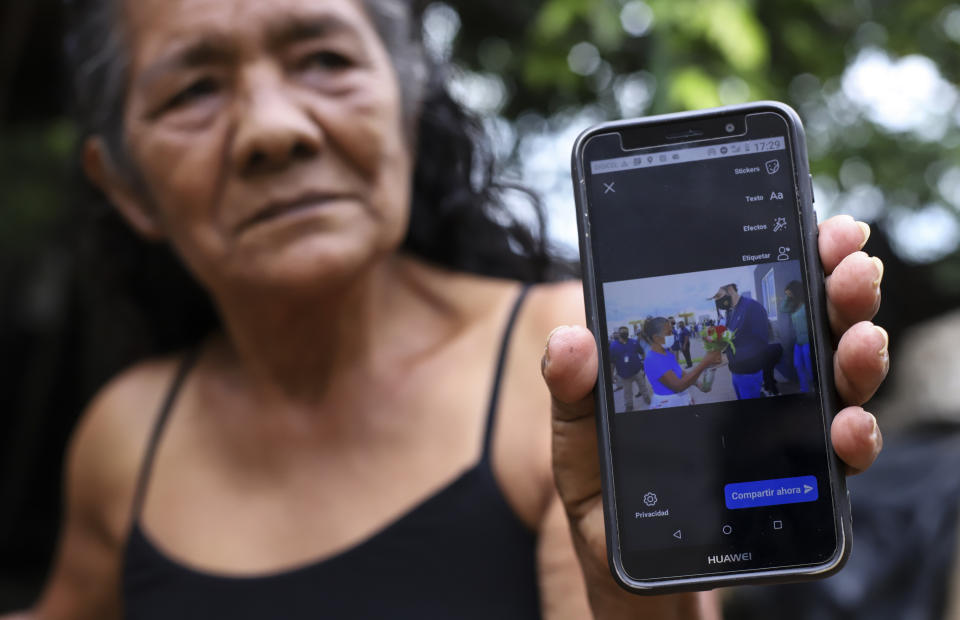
<point x="708" y="336"/>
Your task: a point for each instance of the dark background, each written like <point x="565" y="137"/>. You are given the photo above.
<point x="54" y="353"/>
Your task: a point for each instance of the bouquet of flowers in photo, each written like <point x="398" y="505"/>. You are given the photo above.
<point x="716" y="338"/>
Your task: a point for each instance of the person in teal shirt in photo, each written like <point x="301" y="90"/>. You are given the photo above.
<point x="794" y="304"/>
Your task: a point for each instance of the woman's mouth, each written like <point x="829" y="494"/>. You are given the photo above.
<point x="286" y="208"/>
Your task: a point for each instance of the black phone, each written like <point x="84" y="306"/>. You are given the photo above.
<point x="704" y="290"/>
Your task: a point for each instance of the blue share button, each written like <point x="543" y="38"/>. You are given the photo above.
<point x="770" y="492"/>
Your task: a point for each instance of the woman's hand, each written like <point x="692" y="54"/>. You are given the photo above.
<point x="570" y="371"/>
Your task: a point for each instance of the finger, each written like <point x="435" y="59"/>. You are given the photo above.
<point x="853" y="291"/>
<point x="839" y="236"/>
<point x="569" y="367"/>
<point x="570" y="370"/>
<point x="861" y="362"/>
<point x="856" y="438"/>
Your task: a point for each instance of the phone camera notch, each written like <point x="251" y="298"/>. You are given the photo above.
<point x="730" y="127"/>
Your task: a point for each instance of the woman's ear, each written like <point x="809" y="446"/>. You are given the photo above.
<point x="102" y="172"/>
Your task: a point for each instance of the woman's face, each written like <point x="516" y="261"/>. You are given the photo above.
<point x="667" y="331"/>
<point x="267" y="137"/>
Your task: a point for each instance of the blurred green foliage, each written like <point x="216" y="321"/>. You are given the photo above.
<point x="618" y="58"/>
<point x="690" y="54"/>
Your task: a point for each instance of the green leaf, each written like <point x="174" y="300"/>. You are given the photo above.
<point x="691" y="88"/>
<point x="737" y="34"/>
<point x="605" y="27"/>
<point x="555" y="19"/>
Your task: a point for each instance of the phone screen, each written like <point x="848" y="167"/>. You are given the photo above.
<point x="697" y="247"/>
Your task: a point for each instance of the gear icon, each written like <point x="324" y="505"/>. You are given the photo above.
<point x="650" y="498"/>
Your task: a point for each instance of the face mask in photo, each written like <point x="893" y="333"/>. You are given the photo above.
<point x="725" y="303"/>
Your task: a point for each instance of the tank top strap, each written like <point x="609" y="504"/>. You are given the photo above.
<point x="498" y="375"/>
<point x="146" y="465"/>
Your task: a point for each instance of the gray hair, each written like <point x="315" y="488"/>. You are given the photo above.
<point x="98" y="57"/>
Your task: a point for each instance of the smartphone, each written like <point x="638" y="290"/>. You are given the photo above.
<point x="704" y="290"/>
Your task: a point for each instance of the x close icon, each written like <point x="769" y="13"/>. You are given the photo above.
<point x="608" y="188"/>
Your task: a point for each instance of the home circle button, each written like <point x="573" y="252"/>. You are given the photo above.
<point x="727" y="529"/>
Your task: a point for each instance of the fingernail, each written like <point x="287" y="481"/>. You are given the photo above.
<point x="868" y="424"/>
<point x="546" y="347"/>
<point x="884" y="350"/>
<point x="866" y="233"/>
<point x="879" y="264"/>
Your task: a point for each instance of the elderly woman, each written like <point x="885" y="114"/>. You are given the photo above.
<point x="363" y="432"/>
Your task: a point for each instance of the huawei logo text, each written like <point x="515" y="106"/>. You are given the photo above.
<point x="729" y="557"/>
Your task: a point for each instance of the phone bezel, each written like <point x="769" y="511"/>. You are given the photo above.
<point x="675" y="129"/>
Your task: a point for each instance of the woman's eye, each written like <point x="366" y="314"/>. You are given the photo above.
<point x="197" y="90"/>
<point x="326" y="60"/>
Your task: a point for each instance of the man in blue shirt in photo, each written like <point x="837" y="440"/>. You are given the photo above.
<point x="748" y="320"/>
<point x="683" y="336"/>
<point x="627" y="354"/>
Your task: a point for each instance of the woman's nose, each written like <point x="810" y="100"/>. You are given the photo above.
<point x="273" y="130"/>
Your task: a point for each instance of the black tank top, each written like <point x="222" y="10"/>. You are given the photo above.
<point x="461" y="553"/>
